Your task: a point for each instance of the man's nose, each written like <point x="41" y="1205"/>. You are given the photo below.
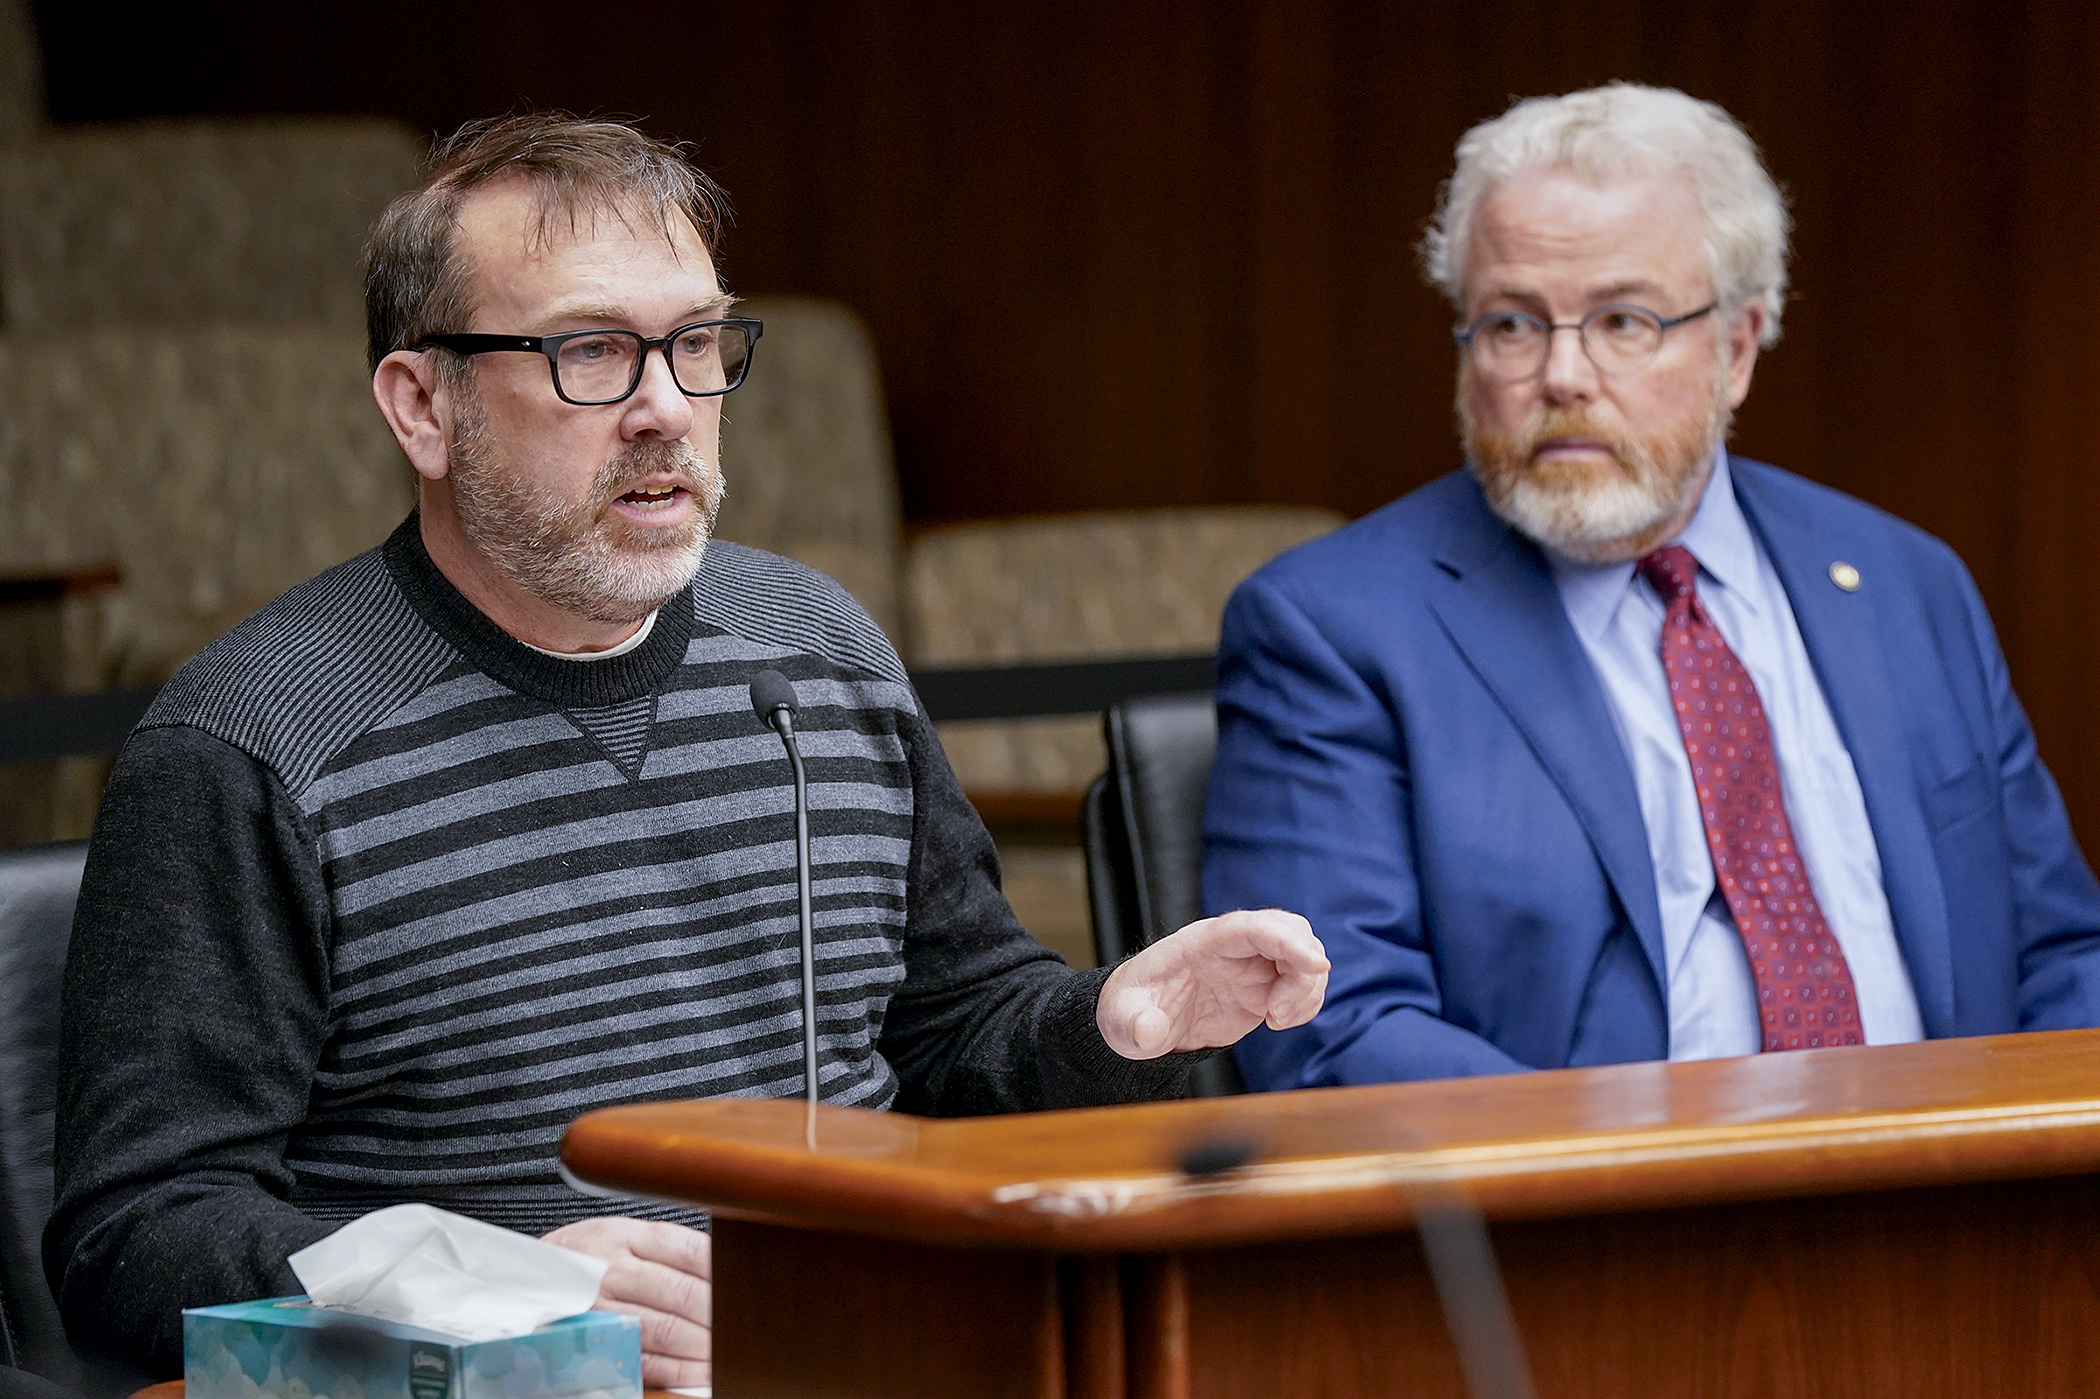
<point x="658" y="408"/>
<point x="1570" y="375"/>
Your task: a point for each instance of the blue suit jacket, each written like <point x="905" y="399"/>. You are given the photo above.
<point x="1415" y="753"/>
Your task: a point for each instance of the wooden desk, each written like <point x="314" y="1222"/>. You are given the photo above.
<point x="1908" y="1221"/>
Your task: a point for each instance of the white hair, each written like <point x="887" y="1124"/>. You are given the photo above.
<point x="1622" y="129"/>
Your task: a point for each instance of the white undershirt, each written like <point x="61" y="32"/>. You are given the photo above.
<point x="641" y="635"/>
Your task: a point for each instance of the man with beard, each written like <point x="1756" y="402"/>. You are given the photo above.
<point x="1615" y="746"/>
<point x="478" y="831"/>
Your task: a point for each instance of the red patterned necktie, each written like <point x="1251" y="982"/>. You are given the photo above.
<point x="1804" y="989"/>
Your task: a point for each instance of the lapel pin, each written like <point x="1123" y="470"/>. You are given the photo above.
<point x="1845" y="576"/>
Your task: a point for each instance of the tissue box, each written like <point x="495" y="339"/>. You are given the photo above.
<point x="287" y="1348"/>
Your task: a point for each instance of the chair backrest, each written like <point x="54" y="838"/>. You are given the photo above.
<point x="252" y="453"/>
<point x="1111" y="883"/>
<point x="1143" y="835"/>
<point x="1097" y="585"/>
<point x="806" y="447"/>
<point x="39" y="885"/>
<point x="180" y="223"/>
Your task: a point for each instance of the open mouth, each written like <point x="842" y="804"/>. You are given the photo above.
<point x="653" y="497"/>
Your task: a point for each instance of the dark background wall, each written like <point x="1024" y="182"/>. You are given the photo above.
<point x="1149" y="254"/>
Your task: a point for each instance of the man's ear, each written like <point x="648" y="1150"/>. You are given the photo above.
<point x="418" y="407"/>
<point x="1744" y="334"/>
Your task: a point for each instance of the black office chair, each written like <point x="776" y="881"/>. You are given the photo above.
<point x="21" y="1384"/>
<point x="39" y="885"/>
<point x="1143" y="828"/>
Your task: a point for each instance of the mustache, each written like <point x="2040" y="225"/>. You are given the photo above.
<point x="638" y="462"/>
<point x="1568" y="422"/>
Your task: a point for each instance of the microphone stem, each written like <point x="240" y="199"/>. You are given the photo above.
<point x="809" y="955"/>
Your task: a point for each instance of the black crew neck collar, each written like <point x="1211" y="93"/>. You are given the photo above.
<point x="570" y="684"/>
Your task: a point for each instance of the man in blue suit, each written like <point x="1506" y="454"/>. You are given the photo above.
<point x="1614" y="746"/>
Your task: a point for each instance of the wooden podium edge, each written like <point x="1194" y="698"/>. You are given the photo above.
<point x="998" y="1182"/>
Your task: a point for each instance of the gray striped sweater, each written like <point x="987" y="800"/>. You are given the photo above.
<point x="379" y="899"/>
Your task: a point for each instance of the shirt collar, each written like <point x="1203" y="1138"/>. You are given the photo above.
<point x="509" y="661"/>
<point x="1718" y="536"/>
<point x="641" y="634"/>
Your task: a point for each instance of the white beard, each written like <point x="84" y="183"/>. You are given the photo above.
<point x="1606" y="521"/>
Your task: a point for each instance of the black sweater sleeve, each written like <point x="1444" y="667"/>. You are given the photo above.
<point x="194" y="1011"/>
<point x="988" y="1019"/>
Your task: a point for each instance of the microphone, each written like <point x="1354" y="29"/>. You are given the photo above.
<point x="1468" y="1283"/>
<point x="773" y="700"/>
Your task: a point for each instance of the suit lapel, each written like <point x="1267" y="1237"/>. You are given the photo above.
<point x="1504" y="614"/>
<point x="1840" y="631"/>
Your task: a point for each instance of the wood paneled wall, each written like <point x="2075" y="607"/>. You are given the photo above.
<point x="1161" y="253"/>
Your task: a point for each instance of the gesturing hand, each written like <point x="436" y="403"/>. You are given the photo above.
<point x="661" y="1273"/>
<point x="1212" y="982"/>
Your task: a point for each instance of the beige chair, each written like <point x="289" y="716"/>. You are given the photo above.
<point x="807" y="455"/>
<point x="806" y="452"/>
<point x="1101" y="585"/>
<point x="185" y="222"/>
<point x="182" y="388"/>
<point x="214" y="467"/>
<point x="1094" y="586"/>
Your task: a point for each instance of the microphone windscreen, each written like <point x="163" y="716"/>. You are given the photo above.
<point x="1217" y="1156"/>
<point x="771" y="692"/>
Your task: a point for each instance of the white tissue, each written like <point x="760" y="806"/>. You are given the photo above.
<point x="427" y="1267"/>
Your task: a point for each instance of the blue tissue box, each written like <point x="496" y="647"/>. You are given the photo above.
<point x="287" y="1348"/>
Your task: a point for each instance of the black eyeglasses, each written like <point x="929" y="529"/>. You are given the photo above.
<point x="591" y="367"/>
<point x="1618" y="339"/>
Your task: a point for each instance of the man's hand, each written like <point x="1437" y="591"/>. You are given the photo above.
<point x="1212" y="982"/>
<point x="663" y="1274"/>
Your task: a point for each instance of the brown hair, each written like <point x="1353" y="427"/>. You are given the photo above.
<point x="415" y="281"/>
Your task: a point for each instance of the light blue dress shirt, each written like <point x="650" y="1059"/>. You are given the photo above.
<point x="1619" y="617"/>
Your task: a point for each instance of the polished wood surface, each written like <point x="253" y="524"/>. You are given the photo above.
<point x="802" y="1313"/>
<point x="1054" y="812"/>
<point x="1952" y="1293"/>
<point x="1920" y="1220"/>
<point x="1636" y="1136"/>
<point x="17" y="588"/>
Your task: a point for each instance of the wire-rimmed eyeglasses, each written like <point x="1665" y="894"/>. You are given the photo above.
<point x="1618" y="339"/>
<point x="592" y="367"/>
